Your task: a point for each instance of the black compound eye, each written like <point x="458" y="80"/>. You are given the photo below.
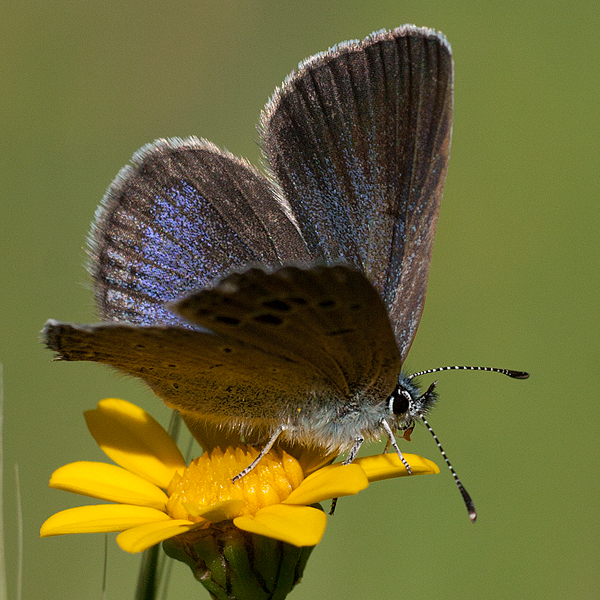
<point x="400" y="402"/>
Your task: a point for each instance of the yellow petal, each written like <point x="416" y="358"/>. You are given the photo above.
<point x="134" y="440"/>
<point x="108" y="482"/>
<point x="102" y="517"/>
<point x="333" y="481"/>
<point x="220" y="511"/>
<point x="386" y="466"/>
<point x="296" y="525"/>
<point x="143" y="537"/>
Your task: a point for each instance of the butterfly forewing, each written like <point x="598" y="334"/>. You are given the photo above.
<point x="184" y="214"/>
<point x="358" y="139"/>
<point x="329" y="318"/>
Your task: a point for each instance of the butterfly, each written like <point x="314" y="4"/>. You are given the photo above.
<point x="281" y="307"/>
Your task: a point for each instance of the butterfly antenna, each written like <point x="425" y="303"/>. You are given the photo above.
<point x="509" y="372"/>
<point x="463" y="492"/>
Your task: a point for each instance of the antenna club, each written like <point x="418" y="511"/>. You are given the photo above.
<point x="518" y="374"/>
<point x="468" y="502"/>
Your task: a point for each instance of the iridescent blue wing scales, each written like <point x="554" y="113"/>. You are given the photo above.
<point x="182" y="215"/>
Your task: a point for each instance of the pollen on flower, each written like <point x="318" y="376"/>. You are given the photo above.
<point x="207" y="481"/>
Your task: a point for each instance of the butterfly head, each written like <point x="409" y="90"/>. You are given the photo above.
<point x="407" y="404"/>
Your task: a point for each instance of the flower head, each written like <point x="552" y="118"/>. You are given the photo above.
<point x="155" y="496"/>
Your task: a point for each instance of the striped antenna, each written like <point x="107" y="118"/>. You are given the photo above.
<point x="509" y="372"/>
<point x="422" y="401"/>
<point x="463" y="492"/>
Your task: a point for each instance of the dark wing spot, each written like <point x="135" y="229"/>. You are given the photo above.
<point x="327" y="303"/>
<point x="279" y="305"/>
<point x="227" y="320"/>
<point x="340" y="332"/>
<point x="268" y="319"/>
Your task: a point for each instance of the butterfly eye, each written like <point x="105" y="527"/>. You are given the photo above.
<point x="399" y="402"/>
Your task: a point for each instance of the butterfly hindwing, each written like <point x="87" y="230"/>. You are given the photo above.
<point x="211" y="376"/>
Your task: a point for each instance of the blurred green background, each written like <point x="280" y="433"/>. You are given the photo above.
<point x="514" y="281"/>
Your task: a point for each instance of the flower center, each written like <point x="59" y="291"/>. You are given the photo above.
<point x="206" y="482"/>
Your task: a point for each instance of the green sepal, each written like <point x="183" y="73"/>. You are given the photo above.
<point x="236" y="565"/>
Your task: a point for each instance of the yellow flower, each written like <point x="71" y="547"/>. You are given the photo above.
<point x="156" y="496"/>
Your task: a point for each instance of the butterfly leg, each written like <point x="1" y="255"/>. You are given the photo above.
<point x="333" y="505"/>
<point x="392" y="441"/>
<point x="351" y="456"/>
<point x="354" y="450"/>
<point x="263" y="452"/>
